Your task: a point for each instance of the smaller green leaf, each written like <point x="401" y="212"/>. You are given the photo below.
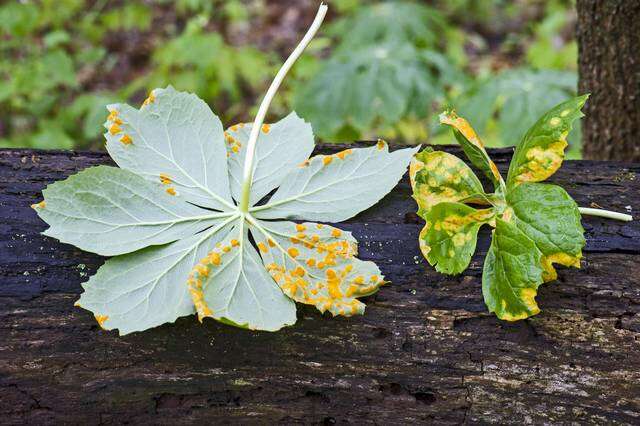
<point x="472" y="146"/>
<point x="437" y="176"/>
<point x="541" y="151"/>
<point x="512" y="273"/>
<point x="550" y="217"/>
<point x="448" y="240"/>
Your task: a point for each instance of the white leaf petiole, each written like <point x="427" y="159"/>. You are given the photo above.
<point x="606" y="214"/>
<point x="266" y="101"/>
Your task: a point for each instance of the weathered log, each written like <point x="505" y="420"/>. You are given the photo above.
<point x="426" y="349"/>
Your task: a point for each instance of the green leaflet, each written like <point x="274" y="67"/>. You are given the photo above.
<point x="536" y="225"/>
<point x="512" y="273"/>
<point x="437" y="176"/>
<point x="541" y="151"/>
<point x="448" y="240"/>
<point x="183" y="245"/>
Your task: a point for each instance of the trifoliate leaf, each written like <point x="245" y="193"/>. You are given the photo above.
<point x="536" y="224"/>
<point x="185" y="246"/>
<point x="512" y="273"/>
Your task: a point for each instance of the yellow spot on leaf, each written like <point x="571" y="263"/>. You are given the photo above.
<point x="381" y="144"/>
<point x="300" y="227"/>
<point x="114" y="129"/>
<point x="528" y="298"/>
<point x="40" y="205"/>
<point x="171" y="191"/>
<point x="327" y="159"/>
<point x="555" y="122"/>
<point x="549" y="273"/>
<point x="151" y="99"/>
<point x="235" y="243"/>
<point x="263" y="248"/>
<point x="336" y="233"/>
<point x="126" y="140"/>
<point x="541" y="162"/>
<point x="342" y="154"/>
<point x="101" y="320"/>
<point x="214" y="258"/>
<point x="271" y="243"/>
<point x="293" y="252"/>
<point x="266" y="128"/>
<point x="165" y="179"/>
<point x="463" y="126"/>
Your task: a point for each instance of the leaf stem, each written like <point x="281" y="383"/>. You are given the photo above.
<point x="606" y="213"/>
<point x="266" y="101"/>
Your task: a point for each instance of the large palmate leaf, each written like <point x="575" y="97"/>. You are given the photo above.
<point x="376" y="85"/>
<point x="183" y="245"/>
<point x="112" y="211"/>
<point x="174" y="139"/>
<point x="536" y="225"/>
<point x="333" y="188"/>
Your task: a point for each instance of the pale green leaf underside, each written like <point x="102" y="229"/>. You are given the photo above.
<point x="147" y="288"/>
<point x="111" y="211"/>
<point x="176" y="257"/>
<point x="337" y="187"/>
<point x="176" y="136"/>
<point x="280" y="148"/>
<point x="237" y="289"/>
<point x="316" y="264"/>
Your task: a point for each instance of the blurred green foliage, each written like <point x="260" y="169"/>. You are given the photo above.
<point x="379" y="68"/>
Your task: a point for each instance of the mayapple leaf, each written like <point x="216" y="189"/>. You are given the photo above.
<point x="282" y="147"/>
<point x="333" y="188"/>
<point x="146" y="288"/>
<point x="111" y="211"/>
<point x="541" y="151"/>
<point x="183" y="245"/>
<point x="536" y="225"/>
<point x="174" y="139"/>
<point x="316" y="264"/>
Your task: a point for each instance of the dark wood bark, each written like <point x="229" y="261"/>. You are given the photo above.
<point x="609" y="64"/>
<point x="425" y="351"/>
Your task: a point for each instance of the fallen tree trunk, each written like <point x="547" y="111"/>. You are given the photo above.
<point x="426" y="349"/>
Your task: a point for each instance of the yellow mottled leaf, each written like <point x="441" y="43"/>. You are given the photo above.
<point x="438" y="177"/>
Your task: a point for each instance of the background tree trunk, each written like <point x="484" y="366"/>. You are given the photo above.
<point x="609" y="65"/>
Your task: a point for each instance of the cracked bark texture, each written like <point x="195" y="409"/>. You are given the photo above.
<point x="425" y="351"/>
<point x="608" y="34"/>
